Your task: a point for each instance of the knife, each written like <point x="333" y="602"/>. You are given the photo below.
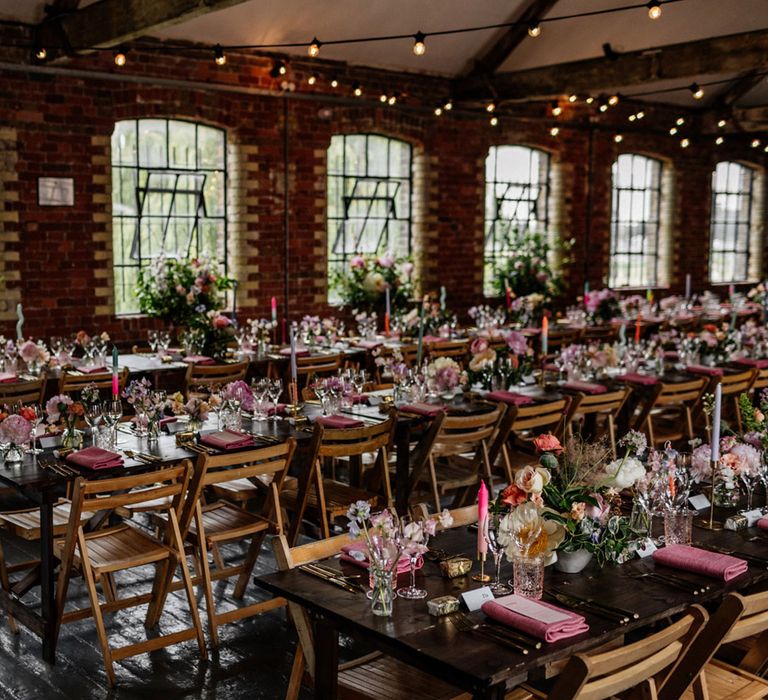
<point x="334" y="573"/>
<point x="330" y="579"/>
<point x="589" y="607"/>
<point x="627" y="614"/>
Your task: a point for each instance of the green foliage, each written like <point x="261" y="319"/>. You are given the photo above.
<point x="363" y="283"/>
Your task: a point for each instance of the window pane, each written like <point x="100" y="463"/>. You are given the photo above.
<point x="168" y="197"/>
<point x="635" y="221"/>
<point x="516" y="202"/>
<point x="731" y="222"/>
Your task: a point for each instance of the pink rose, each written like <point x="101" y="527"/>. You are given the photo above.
<point x="28" y="351"/>
<point x="408" y="269"/>
<point x="547" y="443"/>
<point x="220" y="321"/>
<point x="386" y="260"/>
<point x="513" y="496"/>
<point x="516" y="342"/>
<point x="357" y="261"/>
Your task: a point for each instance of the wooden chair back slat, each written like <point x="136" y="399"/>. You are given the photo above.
<point x="318" y="364"/>
<point x="738" y="383"/>
<point x="540" y="415"/>
<point x="206" y="377"/>
<point x="69" y="383"/>
<point x="24" y="392"/>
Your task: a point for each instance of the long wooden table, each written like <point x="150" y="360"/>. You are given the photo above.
<point x="469" y="660"/>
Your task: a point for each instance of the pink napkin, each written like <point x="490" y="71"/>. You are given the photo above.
<point x="339" y="422"/>
<point x="433" y="339"/>
<point x="700" y="561"/>
<point x="671" y="355"/>
<point x="92" y="370"/>
<point x="749" y="362"/>
<point x="95" y="458"/>
<point x="280" y="409"/>
<point x="531" y="332"/>
<point x="348" y="550"/>
<point x="359" y="398"/>
<point x="509" y="397"/>
<point x="763" y="523"/>
<point x="641" y="379"/>
<point x="199" y="360"/>
<point x="227" y="439"/>
<point x="7" y="377"/>
<point x="705" y="371"/>
<point x="300" y="351"/>
<point x="422" y="409"/>
<point x="549" y="632"/>
<point x="168" y="419"/>
<point x="368" y="344"/>
<point x="586" y="387"/>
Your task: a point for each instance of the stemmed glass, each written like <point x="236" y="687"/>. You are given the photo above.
<point x="275" y="390"/>
<point x="413" y="550"/>
<point x="320" y="387"/>
<point x="358" y="382"/>
<point x="748" y="479"/>
<point x="93" y="414"/>
<point x="492" y="538"/>
<point x="152" y="339"/>
<point x="260" y="392"/>
<point x="37" y="409"/>
<point x="216" y="402"/>
<point x="113" y="412"/>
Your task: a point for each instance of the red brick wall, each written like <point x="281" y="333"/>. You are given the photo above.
<point x="63" y="122"/>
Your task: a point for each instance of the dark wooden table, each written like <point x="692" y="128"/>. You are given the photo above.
<point x="468" y="660"/>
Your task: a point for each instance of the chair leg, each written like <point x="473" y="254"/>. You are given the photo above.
<point x="5" y="583"/>
<point x="217" y="558"/>
<point x="250" y="561"/>
<point x="297" y="671"/>
<point x="108" y="587"/>
<point x="210" y="604"/>
<point x="433" y="479"/>
<point x="93" y="596"/>
<point x="612" y="434"/>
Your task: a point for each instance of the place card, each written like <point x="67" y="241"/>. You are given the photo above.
<point x="474" y="599"/>
<point x="646" y="548"/>
<point x="530" y="608"/>
<point x="699" y="501"/>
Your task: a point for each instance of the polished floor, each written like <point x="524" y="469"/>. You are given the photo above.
<point x="253" y="661"/>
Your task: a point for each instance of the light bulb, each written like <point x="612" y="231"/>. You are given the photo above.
<point x="618" y="138"/>
<point x="382" y="97"/>
<point x="765" y="149"/>
<point x="356" y="89"/>
<point x="41" y="53"/>
<point x="603" y="107"/>
<point x="334" y="83"/>
<point x="719" y="140"/>
<point x="673" y="131"/>
<point x="554" y="131"/>
<point x="219" y="56"/>
<point x="490" y="107"/>
<point x="755" y="143"/>
<point x="721" y="123"/>
<point x="120" y="57"/>
<point x="613" y="100"/>
<point x="438" y="111"/>
<point x="494" y="120"/>
<point x="684" y="143"/>
<point x="640" y="114"/>
<point x="314" y="48"/>
<point x="312" y="79"/>
<point x="557" y="110"/>
<point x="573" y="98"/>
<point x="282" y="69"/>
<point x="534" y="29"/>
<point x="680" y="121"/>
<point x="632" y="117"/>
<point x="696" y="91"/>
<point x="448" y="106"/>
<point x="589" y="100"/>
<point x="654" y="9"/>
<point x="419" y="47"/>
<point x="392" y="99"/>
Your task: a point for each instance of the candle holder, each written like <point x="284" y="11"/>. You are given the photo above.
<point x="482" y="577"/>
<point x="710" y="523"/>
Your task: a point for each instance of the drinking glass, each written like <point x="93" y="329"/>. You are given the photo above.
<point x="528" y="576"/>
<point x="152" y="339"/>
<point x="113" y="412"/>
<point x="678" y="523"/>
<point x="93" y="414"/>
<point x="275" y="391"/>
<point x="39" y="415"/>
<point x="491" y="536"/>
<point x="260" y="395"/>
<point x="216" y="402"/>
<point x="358" y="382"/>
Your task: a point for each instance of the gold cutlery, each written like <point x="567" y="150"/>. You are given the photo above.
<point x="307" y="569"/>
<point x="464" y="624"/>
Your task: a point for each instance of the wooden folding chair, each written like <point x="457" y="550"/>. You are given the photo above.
<point x="200" y="379"/>
<point x="738" y="619"/>
<point x="560" y="337"/>
<point x="459" y="457"/>
<point x="31" y="391"/>
<point x="103" y="552"/>
<point x="329" y="498"/>
<point x="761" y="381"/>
<point x="455" y="349"/>
<point x="733" y="386"/>
<point x="603" y="334"/>
<point x="70" y="383"/>
<point x="374" y="676"/>
<point x="605" y="406"/>
<point x="667" y="414"/>
<point x="642" y="670"/>
<point x="221" y="522"/>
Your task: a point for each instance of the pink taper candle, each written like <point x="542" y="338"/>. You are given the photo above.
<point x="115" y="372"/>
<point x="482" y="518"/>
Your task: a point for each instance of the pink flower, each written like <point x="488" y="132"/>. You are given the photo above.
<point x="357" y="261"/>
<point x="386" y="260"/>
<point x="600" y="512"/>
<point x="516" y="342"/>
<point x="28" y="351"/>
<point x="513" y="495"/>
<point x="478" y="345"/>
<point x="56" y="405"/>
<point x="15" y="429"/>
<point x="220" y="321"/>
<point x="547" y="443"/>
<point x="180" y="289"/>
<point x="408" y="269"/>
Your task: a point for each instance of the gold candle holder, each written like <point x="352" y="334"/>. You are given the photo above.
<point x="710" y="523"/>
<point x="482" y="577"/>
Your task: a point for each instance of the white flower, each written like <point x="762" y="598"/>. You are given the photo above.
<point x="623" y="473"/>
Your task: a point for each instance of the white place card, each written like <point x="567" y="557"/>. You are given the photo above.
<point x="474" y="599"/>
<point x="699" y="502"/>
<point x="646" y="548"/>
<point x="530" y="608"/>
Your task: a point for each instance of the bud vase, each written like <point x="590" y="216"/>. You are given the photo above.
<point x="382" y="596"/>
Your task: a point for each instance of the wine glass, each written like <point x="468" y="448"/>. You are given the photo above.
<point x="414" y="550"/>
<point x="260" y="393"/>
<point x="152" y="339"/>
<point x="113" y="412"/>
<point x="358" y="382"/>
<point x="492" y="538"/>
<point x="93" y="414"/>
<point x="216" y="402"/>
<point x="37" y="409"/>
<point x="275" y="390"/>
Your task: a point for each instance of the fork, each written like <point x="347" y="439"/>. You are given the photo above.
<point x="502" y="636"/>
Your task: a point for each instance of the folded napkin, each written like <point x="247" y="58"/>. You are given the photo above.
<point x="586" y="387"/>
<point x="199" y="360"/>
<point x="700" y="561"/>
<point x="92" y="370"/>
<point x="95" y="458"/>
<point x="671" y="355"/>
<point x="7" y="377"/>
<point x="227" y="440"/>
<point x="357" y="553"/>
<point x="280" y="409"/>
<point x="749" y="362"/>
<point x="704" y="370"/>
<point x="509" y="397"/>
<point x="359" y="398"/>
<point x="535" y="617"/>
<point x="368" y="344"/>
<point x="635" y="378"/>
<point x="339" y="422"/>
<point x="763" y="523"/>
<point x="300" y="351"/>
<point x="422" y="409"/>
<point x="166" y="420"/>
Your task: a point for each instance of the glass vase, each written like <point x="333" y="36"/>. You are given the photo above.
<point x="726" y="498"/>
<point x="13" y="454"/>
<point x="383" y="595"/>
<point x="153" y="430"/>
<point x="72" y="438"/>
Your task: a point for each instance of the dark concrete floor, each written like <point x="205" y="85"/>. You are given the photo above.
<point x="253" y="660"/>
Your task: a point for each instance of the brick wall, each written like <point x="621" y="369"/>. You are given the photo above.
<point x="58" y="122"/>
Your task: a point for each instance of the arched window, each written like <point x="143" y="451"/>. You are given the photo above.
<point x="370" y="185"/>
<point x="635" y="222"/>
<point x="517" y="185"/>
<point x="168" y="197"/>
<point x="733" y="236"/>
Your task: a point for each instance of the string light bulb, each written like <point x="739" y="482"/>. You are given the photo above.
<point x="684" y="143"/>
<point x="603" y="107"/>
<point x="494" y="120"/>
<point x="721" y="123"/>
<point x="438" y="110"/>
<point x="314" y="48"/>
<point x="534" y="30"/>
<point x="419" y="47"/>
<point x="654" y="9"/>
<point x="41" y="53"/>
<point x="219" y="57"/>
<point x="618" y="138"/>
<point x="357" y="91"/>
<point x="490" y="107"/>
<point x="448" y="106"/>
<point x="334" y="82"/>
<point x="393" y="99"/>
<point x="640" y="114"/>
<point x="589" y="100"/>
<point x="572" y="98"/>
<point x="755" y="143"/>
<point x="673" y="131"/>
<point x="382" y="97"/>
<point x="719" y="140"/>
<point x="632" y="117"/>
<point x="697" y="91"/>
<point x="613" y="100"/>
<point x="554" y="131"/>
<point x="765" y="150"/>
<point x="278" y="69"/>
<point x="312" y="79"/>
<point x="557" y="110"/>
<point x="120" y="58"/>
<point x="680" y="121"/>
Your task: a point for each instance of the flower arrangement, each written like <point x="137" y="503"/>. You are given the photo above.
<point x="754" y="420"/>
<point x="488" y="319"/>
<point x="759" y="294"/>
<point x="62" y="409"/>
<point x="602" y="305"/>
<point x="261" y="328"/>
<point x="34" y="353"/>
<point x="90" y="394"/>
<point x="197" y="409"/>
<point x="508" y="364"/>
<point x="15" y="429"/>
<point x="715" y="344"/>
<point x="362" y="285"/>
<point x="148" y="404"/>
<point x="737" y="459"/>
<point x="445" y="374"/>
<point x="239" y="393"/>
<point x="529" y="309"/>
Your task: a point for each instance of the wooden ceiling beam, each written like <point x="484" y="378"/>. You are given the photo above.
<point x="494" y="56"/>
<point x="734" y="53"/>
<point x="114" y="22"/>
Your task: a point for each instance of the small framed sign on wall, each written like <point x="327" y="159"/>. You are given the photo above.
<point x="55" y="191"/>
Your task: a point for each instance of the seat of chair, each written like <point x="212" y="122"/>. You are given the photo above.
<point x="26" y="523"/>
<point x="451" y="475"/>
<point x="725" y="682"/>
<point x="338" y="496"/>
<point x="244" y="489"/>
<point x="117" y="548"/>
<point x="223" y="521"/>
<point x="384" y="678"/>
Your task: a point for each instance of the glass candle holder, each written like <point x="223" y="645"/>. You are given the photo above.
<point x="528" y="577"/>
<point x="678" y="523"/>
